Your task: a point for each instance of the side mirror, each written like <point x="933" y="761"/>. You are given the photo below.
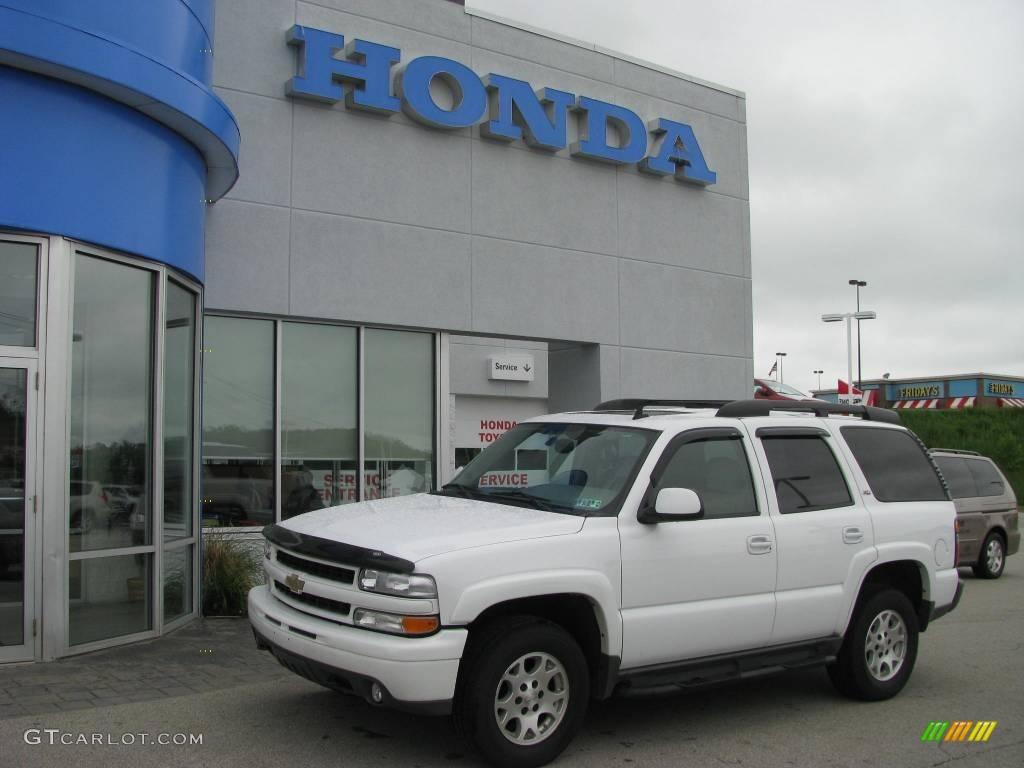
<point x="673" y="504"/>
<point x="764" y="393"/>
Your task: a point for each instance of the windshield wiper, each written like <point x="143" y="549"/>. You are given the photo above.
<point x="463" y="490"/>
<point x="513" y="494"/>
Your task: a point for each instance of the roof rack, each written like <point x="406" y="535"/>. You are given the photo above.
<point x="742" y="408"/>
<point x="953" y="450"/>
<point x="637" y="405"/>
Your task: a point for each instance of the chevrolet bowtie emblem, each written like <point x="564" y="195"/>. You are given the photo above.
<point x="294" y="583"/>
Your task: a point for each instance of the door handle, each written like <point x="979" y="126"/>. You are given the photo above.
<point x="852" y="535"/>
<point x="759" y="545"/>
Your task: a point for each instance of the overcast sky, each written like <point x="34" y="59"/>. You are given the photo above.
<point x="885" y="142"/>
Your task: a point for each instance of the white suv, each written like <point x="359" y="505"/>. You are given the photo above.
<point x="642" y="545"/>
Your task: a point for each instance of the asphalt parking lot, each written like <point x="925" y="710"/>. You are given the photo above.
<point x="970" y="667"/>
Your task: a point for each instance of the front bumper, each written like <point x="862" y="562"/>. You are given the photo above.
<point x="413" y="674"/>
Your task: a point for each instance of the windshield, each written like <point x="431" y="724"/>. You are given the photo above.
<point x="583" y="469"/>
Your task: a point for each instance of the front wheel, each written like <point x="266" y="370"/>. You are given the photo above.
<point x="992" y="560"/>
<point x="878" y="653"/>
<point x="523" y="692"/>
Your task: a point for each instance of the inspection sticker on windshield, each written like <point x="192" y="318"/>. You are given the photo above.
<point x="589" y="503"/>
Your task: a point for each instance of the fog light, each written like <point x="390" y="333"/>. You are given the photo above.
<point x="376" y="693"/>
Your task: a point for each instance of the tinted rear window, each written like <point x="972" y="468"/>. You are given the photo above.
<point x="805" y="474"/>
<point x="986" y="478"/>
<point x="958" y="477"/>
<point x="895" y="464"/>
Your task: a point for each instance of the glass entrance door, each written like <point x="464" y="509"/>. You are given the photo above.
<point x="17" y="498"/>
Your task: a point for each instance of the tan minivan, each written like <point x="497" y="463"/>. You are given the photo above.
<point x="986" y="509"/>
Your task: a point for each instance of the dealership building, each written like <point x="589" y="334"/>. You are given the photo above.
<point x="274" y="255"/>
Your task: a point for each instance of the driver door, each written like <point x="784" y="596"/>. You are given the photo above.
<point x="695" y="588"/>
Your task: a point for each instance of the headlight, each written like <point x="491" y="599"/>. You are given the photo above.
<point x="399" y="584"/>
<point x="267" y="549"/>
<point x="395" y="624"/>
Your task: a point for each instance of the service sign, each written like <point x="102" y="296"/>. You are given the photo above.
<point x="371" y="77"/>
<point x="511" y="368"/>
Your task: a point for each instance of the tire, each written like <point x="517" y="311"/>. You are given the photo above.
<point x="510" y="653"/>
<point x="884" y="620"/>
<point x="992" y="559"/>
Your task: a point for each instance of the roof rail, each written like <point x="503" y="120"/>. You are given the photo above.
<point x="637" y="405"/>
<point x="953" y="450"/>
<point x="742" y="408"/>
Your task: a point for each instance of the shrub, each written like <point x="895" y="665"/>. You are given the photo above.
<point x="994" y="432"/>
<point x="230" y="569"/>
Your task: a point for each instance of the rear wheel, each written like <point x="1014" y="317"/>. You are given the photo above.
<point x="879" y="650"/>
<point x="992" y="559"/>
<point x="523" y="692"/>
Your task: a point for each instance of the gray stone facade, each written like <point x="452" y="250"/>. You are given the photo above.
<point x="638" y="285"/>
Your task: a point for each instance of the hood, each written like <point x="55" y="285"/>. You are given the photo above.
<point x="415" y="527"/>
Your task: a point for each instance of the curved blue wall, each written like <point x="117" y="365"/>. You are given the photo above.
<point x="110" y="131"/>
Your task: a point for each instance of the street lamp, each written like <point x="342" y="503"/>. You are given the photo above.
<point x="848" y="316"/>
<point x="819" y="378"/>
<point x="779" y="356"/>
<point x="859" y="284"/>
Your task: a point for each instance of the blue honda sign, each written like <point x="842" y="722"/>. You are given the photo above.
<point x="506" y="109"/>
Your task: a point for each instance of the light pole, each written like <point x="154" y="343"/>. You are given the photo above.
<point x="848" y="316"/>
<point x="859" y="284"/>
<point x="779" y="356"/>
<point x="819" y="378"/>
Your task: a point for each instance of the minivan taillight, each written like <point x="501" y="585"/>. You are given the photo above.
<point x="956" y="546"/>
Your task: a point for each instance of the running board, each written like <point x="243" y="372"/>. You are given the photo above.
<point x="730" y="666"/>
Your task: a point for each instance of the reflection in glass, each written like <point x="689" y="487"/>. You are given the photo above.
<point x="238" y="422"/>
<point x="177" y="582"/>
<point x="399" y="391"/>
<point x="111" y="410"/>
<point x="13" y="391"/>
<point x="179" y="387"/>
<point x="18" y="276"/>
<point x="109" y="597"/>
<point x="319" y="438"/>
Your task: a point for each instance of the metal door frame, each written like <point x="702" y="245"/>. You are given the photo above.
<point x="30" y="648"/>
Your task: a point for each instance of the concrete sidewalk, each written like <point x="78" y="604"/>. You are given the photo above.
<point x="206" y="655"/>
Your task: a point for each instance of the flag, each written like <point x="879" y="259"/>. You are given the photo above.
<point x="775" y="367"/>
<point x="855" y="396"/>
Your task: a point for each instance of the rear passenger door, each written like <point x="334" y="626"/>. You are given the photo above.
<point x="823" y="529"/>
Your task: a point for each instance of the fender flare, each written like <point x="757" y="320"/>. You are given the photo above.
<point x="592" y="585"/>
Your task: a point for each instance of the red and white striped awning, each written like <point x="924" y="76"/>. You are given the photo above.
<point x="1011" y="402"/>
<point x="961" y="402"/>
<point x="916" y="404"/>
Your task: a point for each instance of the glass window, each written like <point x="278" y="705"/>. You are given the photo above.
<point x="587" y="468"/>
<point x="111" y="406"/>
<point x="718" y="470"/>
<point x="805" y="473"/>
<point x="319" y="415"/>
<point x="958" y="477"/>
<point x="986" y="478"/>
<point x="895" y="464"/>
<point x="177" y="582"/>
<point x="399" y="392"/>
<point x="109" y="597"/>
<point x="179" y="389"/>
<point x="238" y="422"/>
<point x="13" y="436"/>
<point x="19" y="267"/>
